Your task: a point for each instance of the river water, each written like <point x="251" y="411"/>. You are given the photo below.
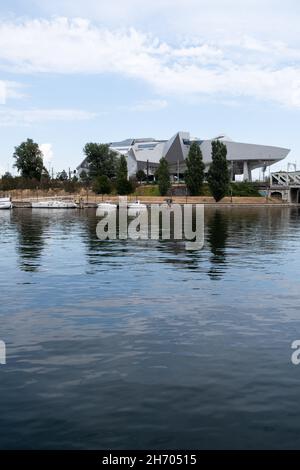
<point x="143" y="344"/>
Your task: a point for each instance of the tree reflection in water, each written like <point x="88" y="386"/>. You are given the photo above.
<point x="30" y="228"/>
<point x="217" y="237"/>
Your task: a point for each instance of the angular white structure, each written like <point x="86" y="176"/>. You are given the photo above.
<point x="144" y="154"/>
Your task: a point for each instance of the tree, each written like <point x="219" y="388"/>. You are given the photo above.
<point x="194" y="174"/>
<point x="218" y="173"/>
<point x="71" y="186"/>
<point x="101" y="159"/>
<point x="85" y="179"/>
<point x="124" y="186"/>
<point x="102" y="185"/>
<point x="29" y="160"/>
<point x="141" y="176"/>
<point x="7" y="175"/>
<point x="163" y="177"/>
<point x="7" y="182"/>
<point x="63" y="176"/>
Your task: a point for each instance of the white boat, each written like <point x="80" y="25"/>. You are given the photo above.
<point x="5" y="203"/>
<point x="107" y="206"/>
<point x="53" y="205"/>
<point x="137" y="206"/>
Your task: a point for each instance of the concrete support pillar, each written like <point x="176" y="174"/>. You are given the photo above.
<point x="247" y="171"/>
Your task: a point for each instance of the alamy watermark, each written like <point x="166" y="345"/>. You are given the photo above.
<point x="166" y="221"/>
<point x="2" y="353"/>
<point x="295" y="358"/>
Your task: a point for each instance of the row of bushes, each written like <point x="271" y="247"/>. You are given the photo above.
<point x="9" y="183"/>
<point x="238" y="189"/>
<point x="103" y="185"/>
<point x="244" y="189"/>
<point x="100" y="185"/>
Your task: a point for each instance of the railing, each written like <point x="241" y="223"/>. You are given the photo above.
<point x="285" y="179"/>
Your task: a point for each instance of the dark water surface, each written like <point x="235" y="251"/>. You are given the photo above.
<point x="144" y="344"/>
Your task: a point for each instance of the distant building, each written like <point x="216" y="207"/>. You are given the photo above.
<point x="144" y="154"/>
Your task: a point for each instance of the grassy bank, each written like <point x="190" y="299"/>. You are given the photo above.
<point x="237" y="189"/>
<point x="242" y="193"/>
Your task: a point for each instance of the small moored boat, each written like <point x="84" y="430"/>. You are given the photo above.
<point x="137" y="206"/>
<point x="5" y="203"/>
<point x="107" y="206"/>
<point x="53" y="205"/>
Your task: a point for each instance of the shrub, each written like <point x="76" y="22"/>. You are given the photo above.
<point x="102" y="185"/>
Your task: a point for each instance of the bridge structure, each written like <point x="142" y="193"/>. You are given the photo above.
<point x="285" y="185"/>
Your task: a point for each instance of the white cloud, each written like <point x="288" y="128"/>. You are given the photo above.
<point x="240" y="66"/>
<point x="47" y="152"/>
<point x="2" y="170"/>
<point x="27" y="117"/>
<point x="147" y="105"/>
<point x="2" y="92"/>
<point x="173" y="18"/>
<point x="205" y="53"/>
<point x="9" y="90"/>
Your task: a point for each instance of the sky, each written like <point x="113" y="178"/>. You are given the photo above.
<point x="78" y="71"/>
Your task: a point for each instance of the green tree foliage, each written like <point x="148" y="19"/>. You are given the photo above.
<point x="244" y="188"/>
<point x="102" y="185"/>
<point x="141" y="176"/>
<point x="194" y="174"/>
<point x="163" y="177"/>
<point x="124" y="186"/>
<point x="7" y="182"/>
<point x="101" y="159"/>
<point x="45" y="181"/>
<point x="63" y="176"/>
<point x="218" y="174"/>
<point x="85" y="179"/>
<point x="71" y="186"/>
<point x="29" y="160"/>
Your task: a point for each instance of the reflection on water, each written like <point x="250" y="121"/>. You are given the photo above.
<point x="144" y="344"/>
<point x="31" y="241"/>
<point x="35" y="228"/>
<point x="217" y="236"/>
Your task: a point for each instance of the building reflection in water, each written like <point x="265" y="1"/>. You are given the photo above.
<point x="229" y="232"/>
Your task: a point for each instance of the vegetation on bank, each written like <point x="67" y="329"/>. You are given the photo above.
<point x="10" y="183"/>
<point x="236" y="189"/>
<point x="108" y="174"/>
<point x="218" y="173"/>
<point x="194" y="175"/>
<point x="244" y="189"/>
<point x="148" y="190"/>
<point x="163" y="177"/>
<point x="123" y="184"/>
